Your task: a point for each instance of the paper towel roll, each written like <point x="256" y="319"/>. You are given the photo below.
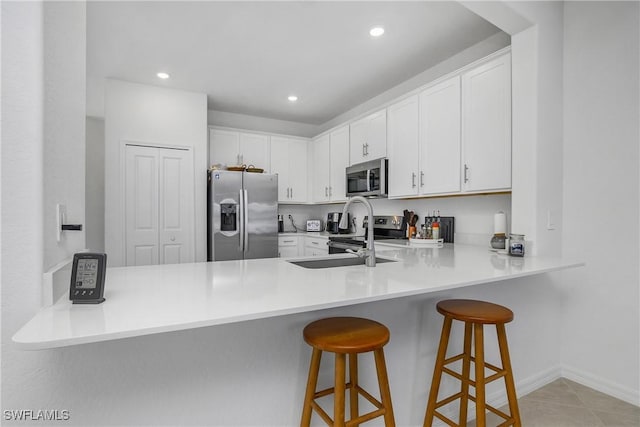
<point x="500" y="223"/>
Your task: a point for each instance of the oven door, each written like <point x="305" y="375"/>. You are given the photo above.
<point x="367" y="179"/>
<point x="341" y="248"/>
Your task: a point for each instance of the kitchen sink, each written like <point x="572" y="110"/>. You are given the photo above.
<point x="335" y="262"/>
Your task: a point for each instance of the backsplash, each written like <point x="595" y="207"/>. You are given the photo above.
<point x="473" y="214"/>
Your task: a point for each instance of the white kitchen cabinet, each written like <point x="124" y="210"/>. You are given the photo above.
<point x="486" y="126"/>
<point x="440" y="138"/>
<point x="368" y="138"/>
<point x="230" y="147"/>
<point x="288" y="246"/>
<point x="289" y="161"/>
<point x="330" y="159"/>
<point x="404" y="147"/>
<point x="321" y="168"/>
<point x="339" y="162"/>
<point x="316" y="246"/>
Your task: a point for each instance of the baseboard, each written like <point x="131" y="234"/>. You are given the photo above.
<point x="602" y="385"/>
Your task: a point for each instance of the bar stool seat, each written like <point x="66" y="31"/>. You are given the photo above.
<point x="474" y="314"/>
<point x="347" y="336"/>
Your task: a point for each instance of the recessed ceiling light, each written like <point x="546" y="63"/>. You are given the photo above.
<point x="163" y="75"/>
<point x="292" y="98"/>
<point x="376" y="31"/>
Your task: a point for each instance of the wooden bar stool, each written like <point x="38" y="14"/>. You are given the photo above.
<point x="474" y="314"/>
<point x="342" y="336"/>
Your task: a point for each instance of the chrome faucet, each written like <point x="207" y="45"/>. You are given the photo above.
<point x="370" y="252"/>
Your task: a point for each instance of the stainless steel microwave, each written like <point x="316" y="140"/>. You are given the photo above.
<point x="368" y="179"/>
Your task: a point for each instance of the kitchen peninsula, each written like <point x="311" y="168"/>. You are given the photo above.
<point x="154" y="299"/>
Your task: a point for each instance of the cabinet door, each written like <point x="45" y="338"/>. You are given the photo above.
<point x="321" y="176"/>
<point x="287" y="246"/>
<point x="339" y="162"/>
<point x="357" y="140"/>
<point x="486" y="126"/>
<point x="440" y="138"/>
<point x="254" y="150"/>
<point x="280" y="165"/>
<point x="368" y="138"/>
<point x="223" y="147"/>
<point x="287" y="251"/>
<point x="376" y="144"/>
<point x="298" y="170"/>
<point x="404" y="148"/>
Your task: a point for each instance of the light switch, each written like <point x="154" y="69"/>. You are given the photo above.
<point x="551" y="221"/>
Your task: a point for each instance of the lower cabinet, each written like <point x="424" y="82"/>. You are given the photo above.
<point x="316" y="246"/>
<point x="288" y="246"/>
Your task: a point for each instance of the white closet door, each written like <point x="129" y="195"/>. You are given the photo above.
<point x="159" y="204"/>
<point x="141" y="205"/>
<point x="175" y="198"/>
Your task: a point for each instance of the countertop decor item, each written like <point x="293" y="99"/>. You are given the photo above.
<point x="254" y="169"/>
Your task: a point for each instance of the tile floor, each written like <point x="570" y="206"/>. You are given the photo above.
<point x="564" y="403"/>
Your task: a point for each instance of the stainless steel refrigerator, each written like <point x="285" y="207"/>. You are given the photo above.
<point x="242" y="216"/>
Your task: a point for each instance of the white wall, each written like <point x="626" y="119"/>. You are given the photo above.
<point x="152" y="115"/>
<point x="64" y="125"/>
<point x="601" y="321"/>
<point x="94" y="191"/>
<point x="22" y="197"/>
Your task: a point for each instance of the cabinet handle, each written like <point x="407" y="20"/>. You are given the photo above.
<point x="287" y="241"/>
<point x="413" y="180"/>
<point x="366" y="149"/>
<point x="466" y="173"/>
<point x="421" y="179"/>
<point x="326" y="191"/>
<point x="241" y="159"/>
<point x="288" y="192"/>
<point x="330" y="192"/>
<point x="292" y="192"/>
<point x="363" y="153"/>
<point x="314" y="243"/>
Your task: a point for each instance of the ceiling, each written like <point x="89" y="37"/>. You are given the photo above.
<point x="249" y="56"/>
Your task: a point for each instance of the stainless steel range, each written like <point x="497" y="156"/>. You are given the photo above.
<point x="386" y="227"/>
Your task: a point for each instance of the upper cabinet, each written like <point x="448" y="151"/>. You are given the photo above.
<point x="440" y="138"/>
<point x="404" y="148"/>
<point x="486" y="129"/>
<point x="368" y="138"/>
<point x="330" y="159"/>
<point x="424" y="142"/>
<point x="230" y="147"/>
<point x="289" y="161"/>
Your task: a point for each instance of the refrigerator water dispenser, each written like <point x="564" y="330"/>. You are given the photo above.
<point x="228" y="216"/>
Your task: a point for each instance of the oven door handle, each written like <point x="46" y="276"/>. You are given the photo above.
<point x="345" y="246"/>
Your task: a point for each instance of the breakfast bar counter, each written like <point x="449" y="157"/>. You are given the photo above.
<point x="162" y="298"/>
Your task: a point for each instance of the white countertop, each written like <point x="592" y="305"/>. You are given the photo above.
<point x="162" y="298"/>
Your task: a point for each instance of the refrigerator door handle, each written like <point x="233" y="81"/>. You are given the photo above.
<point x="245" y="217"/>
<point x="241" y="220"/>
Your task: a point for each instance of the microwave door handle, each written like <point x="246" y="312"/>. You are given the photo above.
<point x="368" y="180"/>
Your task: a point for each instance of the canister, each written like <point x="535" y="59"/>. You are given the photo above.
<point x="516" y="244"/>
